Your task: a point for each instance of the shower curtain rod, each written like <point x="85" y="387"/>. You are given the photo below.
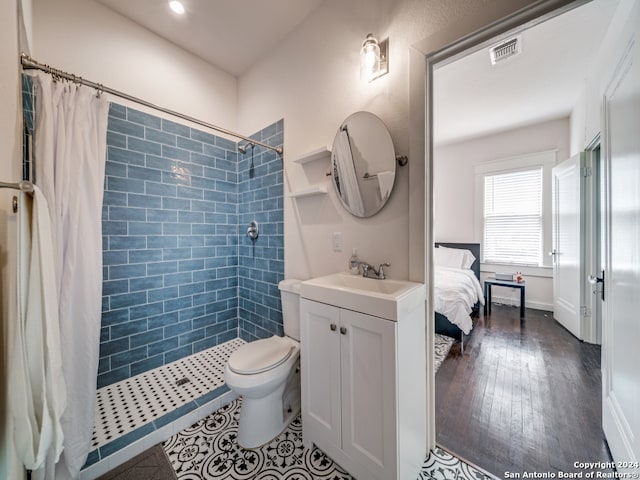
<point x="29" y="63"/>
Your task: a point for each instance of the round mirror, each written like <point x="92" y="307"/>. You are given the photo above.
<point x="363" y="164"/>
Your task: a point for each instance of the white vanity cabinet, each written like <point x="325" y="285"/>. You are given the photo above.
<point x="363" y="389"/>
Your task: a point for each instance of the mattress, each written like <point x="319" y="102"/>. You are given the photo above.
<point x="455" y="293"/>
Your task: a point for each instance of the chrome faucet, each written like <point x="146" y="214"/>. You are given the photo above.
<point x="378" y="274"/>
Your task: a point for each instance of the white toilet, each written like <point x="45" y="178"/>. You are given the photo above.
<point x="266" y="373"/>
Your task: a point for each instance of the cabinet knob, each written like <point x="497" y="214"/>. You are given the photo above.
<point x="333" y="327"/>
<point x="343" y="330"/>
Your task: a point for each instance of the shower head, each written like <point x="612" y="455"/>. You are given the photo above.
<point x="243" y="148"/>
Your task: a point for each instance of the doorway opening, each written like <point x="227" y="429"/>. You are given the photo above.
<point x="472" y="227"/>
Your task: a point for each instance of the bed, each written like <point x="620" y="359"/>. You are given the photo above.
<point x="457" y="292"/>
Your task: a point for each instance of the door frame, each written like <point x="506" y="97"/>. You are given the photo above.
<point x="592" y="322"/>
<point x="473" y="31"/>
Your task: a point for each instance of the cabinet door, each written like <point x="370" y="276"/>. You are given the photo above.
<point x="369" y="392"/>
<point x="320" y="362"/>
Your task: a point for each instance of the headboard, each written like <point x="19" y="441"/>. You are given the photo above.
<point x="473" y="247"/>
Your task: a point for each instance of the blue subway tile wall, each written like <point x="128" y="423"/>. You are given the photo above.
<point x="260" y="191"/>
<point x="170" y="240"/>
<point x="175" y="204"/>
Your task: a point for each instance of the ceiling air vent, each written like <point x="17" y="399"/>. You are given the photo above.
<point x="506" y="49"/>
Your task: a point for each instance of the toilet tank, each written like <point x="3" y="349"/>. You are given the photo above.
<point x="290" y="295"/>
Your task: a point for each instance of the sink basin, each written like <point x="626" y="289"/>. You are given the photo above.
<point x="381" y="298"/>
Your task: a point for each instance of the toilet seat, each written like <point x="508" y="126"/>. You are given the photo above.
<point x="260" y="355"/>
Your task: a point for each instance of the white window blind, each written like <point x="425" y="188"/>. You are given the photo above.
<point x="513" y="217"/>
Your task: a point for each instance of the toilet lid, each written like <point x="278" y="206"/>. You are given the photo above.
<point x="260" y="355"/>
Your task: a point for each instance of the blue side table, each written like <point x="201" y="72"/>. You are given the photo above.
<point x="502" y="283"/>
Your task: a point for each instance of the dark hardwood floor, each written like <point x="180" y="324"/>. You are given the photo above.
<point x="525" y="396"/>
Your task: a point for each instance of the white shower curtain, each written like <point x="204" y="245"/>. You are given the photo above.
<point x="36" y="393"/>
<point x="70" y="154"/>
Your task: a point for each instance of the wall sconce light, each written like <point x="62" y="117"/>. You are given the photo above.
<point x="374" y="58"/>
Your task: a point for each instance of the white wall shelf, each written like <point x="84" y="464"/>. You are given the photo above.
<point x="309" y="192"/>
<point x="317" y="154"/>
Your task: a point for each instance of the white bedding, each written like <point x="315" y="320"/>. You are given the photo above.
<point x="455" y="293"/>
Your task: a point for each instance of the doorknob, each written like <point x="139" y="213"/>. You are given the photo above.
<point x="343" y="330"/>
<point x="332" y="327"/>
<point x="593" y="280"/>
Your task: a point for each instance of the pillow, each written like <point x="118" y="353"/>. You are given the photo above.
<point x="448" y="257"/>
<point x="468" y="257"/>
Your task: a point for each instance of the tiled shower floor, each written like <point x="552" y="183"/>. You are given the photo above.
<point x="132" y="403"/>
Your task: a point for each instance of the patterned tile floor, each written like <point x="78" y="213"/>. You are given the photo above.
<point x="441" y="465"/>
<point x="208" y="450"/>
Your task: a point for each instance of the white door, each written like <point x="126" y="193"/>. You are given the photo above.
<point x="621" y="306"/>
<point x="320" y="362"/>
<point x="368" y="392"/>
<point x="568" y="243"/>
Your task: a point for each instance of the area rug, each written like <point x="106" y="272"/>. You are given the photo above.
<point x="442" y="345"/>
<point x="152" y="464"/>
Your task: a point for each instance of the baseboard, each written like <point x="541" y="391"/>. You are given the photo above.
<point x="547" y="307"/>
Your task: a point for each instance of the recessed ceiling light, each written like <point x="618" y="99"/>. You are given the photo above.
<point x="177" y="7"/>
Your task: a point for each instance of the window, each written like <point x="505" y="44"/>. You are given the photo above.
<point x="510" y="204"/>
<point x="513" y="223"/>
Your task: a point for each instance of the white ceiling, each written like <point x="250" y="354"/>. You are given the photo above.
<point x="230" y="34"/>
<point x="473" y="98"/>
